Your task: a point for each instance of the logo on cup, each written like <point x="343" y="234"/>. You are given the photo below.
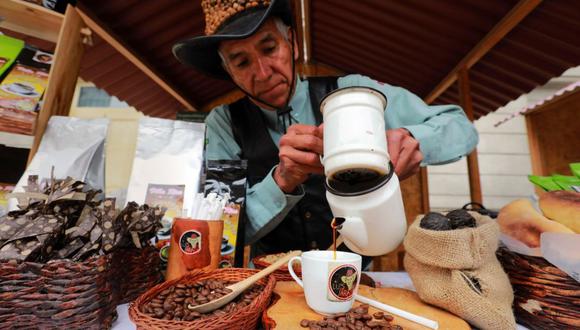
<point x="190" y="242"/>
<point x="342" y="283"/>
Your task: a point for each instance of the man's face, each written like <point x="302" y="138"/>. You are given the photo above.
<point x="261" y="64"/>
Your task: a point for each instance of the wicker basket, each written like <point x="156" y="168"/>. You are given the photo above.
<point x="281" y="274"/>
<point x="139" y="270"/>
<point x="244" y="318"/>
<point x="59" y="294"/>
<point x="544" y="296"/>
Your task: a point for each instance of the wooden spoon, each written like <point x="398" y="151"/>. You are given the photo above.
<point x="239" y="287"/>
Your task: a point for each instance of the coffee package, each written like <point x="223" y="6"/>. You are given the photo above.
<point x="74" y="148"/>
<point x="169" y="154"/>
<point x="228" y="178"/>
<point x="9" y="50"/>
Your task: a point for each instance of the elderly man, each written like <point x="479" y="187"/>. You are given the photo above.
<point x="277" y="126"/>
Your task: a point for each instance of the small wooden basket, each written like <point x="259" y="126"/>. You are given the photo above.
<point x="244" y="318"/>
<point x="139" y="271"/>
<point x="544" y="296"/>
<point x="60" y="294"/>
<point x="281" y="274"/>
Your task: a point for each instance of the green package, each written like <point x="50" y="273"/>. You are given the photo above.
<point x="575" y="168"/>
<point x="9" y="50"/>
<point x="545" y="182"/>
<point x="570" y="183"/>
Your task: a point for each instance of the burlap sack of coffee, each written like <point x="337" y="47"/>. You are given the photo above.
<point x="447" y="267"/>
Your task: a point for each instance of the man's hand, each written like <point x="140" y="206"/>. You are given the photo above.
<point x="404" y="152"/>
<point x="299" y="156"/>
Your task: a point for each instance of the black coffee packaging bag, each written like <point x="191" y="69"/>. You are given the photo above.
<point x="228" y="178"/>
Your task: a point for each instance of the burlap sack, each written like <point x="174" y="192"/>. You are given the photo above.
<point x="445" y="267"/>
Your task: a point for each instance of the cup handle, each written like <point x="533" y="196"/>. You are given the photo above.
<point x="291" y="270"/>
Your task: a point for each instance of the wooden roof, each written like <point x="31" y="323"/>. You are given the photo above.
<point x="508" y="46"/>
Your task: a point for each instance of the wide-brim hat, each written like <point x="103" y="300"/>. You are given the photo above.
<point x="227" y="20"/>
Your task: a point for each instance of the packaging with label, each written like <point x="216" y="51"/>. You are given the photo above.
<point x="73" y="147"/>
<point x="167" y="196"/>
<point x="228" y="177"/>
<point x="21" y="90"/>
<point x="5" y="189"/>
<point x="544" y="182"/>
<point x="169" y="153"/>
<point x="571" y="183"/>
<point x="9" y="50"/>
<point x="575" y="168"/>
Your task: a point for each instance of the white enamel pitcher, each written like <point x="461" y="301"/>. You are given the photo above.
<point x="362" y="187"/>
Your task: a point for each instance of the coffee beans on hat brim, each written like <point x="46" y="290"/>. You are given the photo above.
<point x="175" y="302"/>
<point x="358" y="318"/>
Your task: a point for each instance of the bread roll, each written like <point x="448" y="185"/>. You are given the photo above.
<point x="521" y="221"/>
<point x="562" y="206"/>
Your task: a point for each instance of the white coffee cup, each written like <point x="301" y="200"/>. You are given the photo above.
<point x="354" y="131"/>
<point x="329" y="285"/>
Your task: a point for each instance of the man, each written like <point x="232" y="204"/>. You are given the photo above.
<point x="277" y="127"/>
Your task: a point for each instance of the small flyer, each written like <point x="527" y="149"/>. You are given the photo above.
<point x="167" y="196"/>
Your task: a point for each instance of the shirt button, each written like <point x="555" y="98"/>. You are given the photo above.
<point x="307" y="215"/>
<point x="313" y="245"/>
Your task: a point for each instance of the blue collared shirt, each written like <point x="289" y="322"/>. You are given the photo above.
<point x="444" y="134"/>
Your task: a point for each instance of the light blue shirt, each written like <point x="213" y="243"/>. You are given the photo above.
<point x="444" y="134"/>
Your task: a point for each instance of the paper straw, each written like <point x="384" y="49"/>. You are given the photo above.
<point x="399" y="312"/>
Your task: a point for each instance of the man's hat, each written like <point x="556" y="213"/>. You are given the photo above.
<point x="227" y="20"/>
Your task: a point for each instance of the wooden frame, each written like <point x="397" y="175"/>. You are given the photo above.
<point x="69" y="31"/>
<point x="552" y="132"/>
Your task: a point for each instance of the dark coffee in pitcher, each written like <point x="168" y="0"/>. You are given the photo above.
<point x="354" y="180"/>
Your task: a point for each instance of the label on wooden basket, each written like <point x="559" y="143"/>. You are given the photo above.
<point x="342" y="281"/>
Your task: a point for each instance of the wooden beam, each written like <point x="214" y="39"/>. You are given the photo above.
<point x="30" y="19"/>
<point x="425" y="189"/>
<point x="303" y="29"/>
<point x="63" y="74"/>
<point x="317" y="69"/>
<point x="472" y="161"/>
<point x="227" y="98"/>
<point x="499" y="31"/>
<point x="107" y="35"/>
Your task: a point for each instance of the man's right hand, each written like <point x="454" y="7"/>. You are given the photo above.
<point x="300" y="150"/>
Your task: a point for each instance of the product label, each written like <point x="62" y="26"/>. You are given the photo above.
<point x="190" y="242"/>
<point x="342" y="281"/>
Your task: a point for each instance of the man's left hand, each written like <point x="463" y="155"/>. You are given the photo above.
<point x="404" y="151"/>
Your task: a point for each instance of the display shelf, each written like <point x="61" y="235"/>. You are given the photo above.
<point x="30" y="19"/>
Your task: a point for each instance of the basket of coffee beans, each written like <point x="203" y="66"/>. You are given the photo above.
<point x="167" y="305"/>
<point x="281" y="273"/>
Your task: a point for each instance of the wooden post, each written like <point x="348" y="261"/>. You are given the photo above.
<point x="472" y="162"/>
<point x="63" y="74"/>
<point x="302" y="19"/>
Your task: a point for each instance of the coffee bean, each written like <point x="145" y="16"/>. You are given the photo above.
<point x="172" y="303"/>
